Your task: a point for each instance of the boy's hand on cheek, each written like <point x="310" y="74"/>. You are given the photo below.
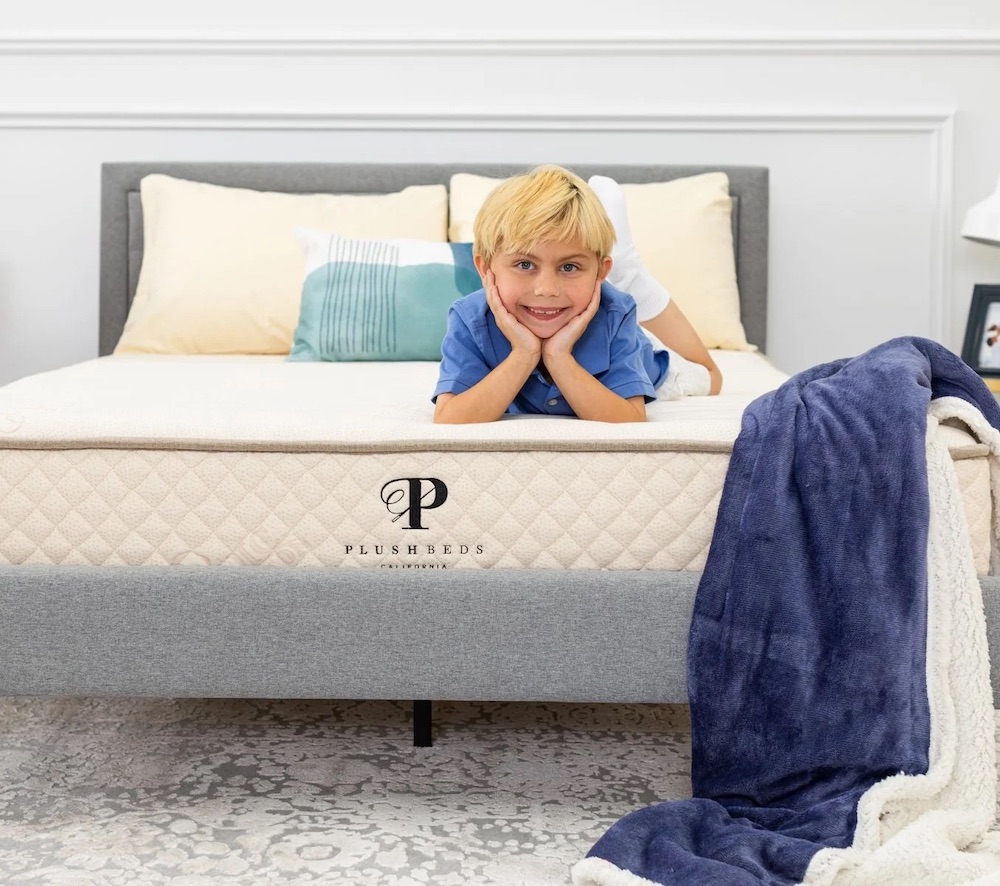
<point x="520" y="337"/>
<point x="561" y="344"/>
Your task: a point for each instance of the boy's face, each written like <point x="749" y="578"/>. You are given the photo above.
<point x="546" y="288"/>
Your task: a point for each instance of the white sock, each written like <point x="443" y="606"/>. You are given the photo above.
<point x="628" y="273"/>
<point x="684" y="379"/>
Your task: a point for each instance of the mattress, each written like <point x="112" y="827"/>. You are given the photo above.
<point x="158" y="460"/>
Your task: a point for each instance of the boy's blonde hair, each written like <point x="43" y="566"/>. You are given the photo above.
<point x="547" y="205"/>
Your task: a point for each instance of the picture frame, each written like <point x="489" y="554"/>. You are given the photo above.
<point x="981" y="348"/>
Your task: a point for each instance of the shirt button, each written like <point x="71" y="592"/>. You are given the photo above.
<point x="553" y="401"/>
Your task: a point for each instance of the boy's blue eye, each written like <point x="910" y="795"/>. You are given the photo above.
<point x="569" y="267"/>
<point x="524" y="265"/>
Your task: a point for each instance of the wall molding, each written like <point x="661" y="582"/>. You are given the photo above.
<point x="431" y="120"/>
<point x="942" y="230"/>
<point x="182" y="43"/>
<point x="936" y="125"/>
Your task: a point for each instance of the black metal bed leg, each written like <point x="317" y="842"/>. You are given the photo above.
<point x="422" y="724"/>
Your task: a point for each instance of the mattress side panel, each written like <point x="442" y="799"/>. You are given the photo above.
<point x="642" y="510"/>
<point x="559" y="510"/>
<point x="974" y="481"/>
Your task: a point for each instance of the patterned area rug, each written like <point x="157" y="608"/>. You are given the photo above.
<point x="194" y="792"/>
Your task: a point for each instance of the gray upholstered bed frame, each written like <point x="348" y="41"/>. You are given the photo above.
<point x="498" y="634"/>
<point x="121" y="214"/>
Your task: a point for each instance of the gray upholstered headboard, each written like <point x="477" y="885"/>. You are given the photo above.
<point x="121" y="214"/>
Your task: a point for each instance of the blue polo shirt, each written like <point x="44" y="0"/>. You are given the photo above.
<point x="612" y="348"/>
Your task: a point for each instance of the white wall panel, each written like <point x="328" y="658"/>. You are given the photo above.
<point x="878" y="139"/>
<point x="852" y="206"/>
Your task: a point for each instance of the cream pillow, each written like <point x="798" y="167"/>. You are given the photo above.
<point x="683" y="231"/>
<point x="466" y="193"/>
<point x="222" y="272"/>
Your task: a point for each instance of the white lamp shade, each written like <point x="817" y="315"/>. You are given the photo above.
<point x="982" y="221"/>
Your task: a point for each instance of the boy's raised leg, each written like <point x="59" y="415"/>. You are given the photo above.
<point x="628" y="273"/>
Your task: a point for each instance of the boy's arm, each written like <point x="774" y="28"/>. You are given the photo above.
<point x="589" y="398"/>
<point x="672" y="328"/>
<point x="489" y="398"/>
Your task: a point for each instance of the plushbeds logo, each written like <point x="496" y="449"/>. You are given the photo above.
<point x="408" y="499"/>
<point x="411" y="496"/>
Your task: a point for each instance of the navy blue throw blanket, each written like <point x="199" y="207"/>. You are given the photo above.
<point x="807" y="655"/>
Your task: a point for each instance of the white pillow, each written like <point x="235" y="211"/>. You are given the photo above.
<point x="222" y="272"/>
<point x="683" y="231"/>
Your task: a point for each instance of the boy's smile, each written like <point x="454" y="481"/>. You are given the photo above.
<point x="543" y="314"/>
<point x="548" y="286"/>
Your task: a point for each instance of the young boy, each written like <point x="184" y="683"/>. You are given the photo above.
<point x="547" y="333"/>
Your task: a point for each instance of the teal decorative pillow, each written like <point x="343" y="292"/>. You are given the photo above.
<point x="378" y="299"/>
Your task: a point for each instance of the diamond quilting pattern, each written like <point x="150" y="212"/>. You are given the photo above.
<point x="626" y="510"/>
<point x="974" y="481"/>
<point x="520" y="509"/>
